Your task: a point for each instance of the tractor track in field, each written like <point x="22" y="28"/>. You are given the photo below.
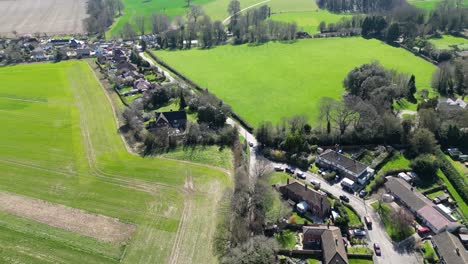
<point x="184" y="222"/>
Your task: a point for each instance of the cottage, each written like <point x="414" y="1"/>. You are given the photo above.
<point x="38" y="54"/>
<point x="316" y="200"/>
<point x="449" y="248"/>
<point x="422" y="208"/>
<point x="142" y="85"/>
<point x="349" y="168"/>
<point x="449" y="104"/>
<point x="173" y="119"/>
<point x="329" y="240"/>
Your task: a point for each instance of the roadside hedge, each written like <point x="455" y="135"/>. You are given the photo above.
<point x="453" y="176"/>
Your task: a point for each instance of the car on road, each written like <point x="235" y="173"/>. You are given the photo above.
<point x="359" y="232"/>
<point x="344" y="198"/>
<point x="362" y="193"/>
<point x="289" y="170"/>
<point x="315" y="183"/>
<point x="300" y="174"/>
<point x="377" y="250"/>
<point x="279" y="168"/>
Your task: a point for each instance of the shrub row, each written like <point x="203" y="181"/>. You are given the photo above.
<point x="453" y="176"/>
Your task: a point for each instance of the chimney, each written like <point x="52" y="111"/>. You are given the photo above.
<point x="458" y="251"/>
<point x="305" y="186"/>
<point x="412" y="188"/>
<point x="287" y="181"/>
<point x="328" y="225"/>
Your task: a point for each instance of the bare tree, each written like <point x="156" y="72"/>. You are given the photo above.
<point x="194" y="13"/>
<point x="188" y="2"/>
<point x="140" y="22"/>
<point x="402" y="218"/>
<point x="326" y="108"/>
<point x="160" y="23"/>
<point x="343" y="116"/>
<point x="120" y="6"/>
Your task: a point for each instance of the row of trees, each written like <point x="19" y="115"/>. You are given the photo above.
<point x="101" y="14"/>
<point x="359" y="6"/>
<point x="451" y="78"/>
<point x="365" y="115"/>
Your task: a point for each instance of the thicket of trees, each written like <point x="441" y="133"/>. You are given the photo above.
<point x="359" y="6"/>
<point x="451" y="78"/>
<point x="101" y="14"/>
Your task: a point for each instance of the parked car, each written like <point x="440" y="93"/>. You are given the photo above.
<point x="315" y="183"/>
<point x="359" y="232"/>
<point x="251" y="144"/>
<point x="377" y="250"/>
<point x="279" y="168"/>
<point x="289" y="170"/>
<point x="300" y="174"/>
<point x="362" y="193"/>
<point x="344" y="198"/>
<point x="368" y="222"/>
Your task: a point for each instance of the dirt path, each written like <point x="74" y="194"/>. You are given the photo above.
<point x="71" y="219"/>
<point x="254" y="5"/>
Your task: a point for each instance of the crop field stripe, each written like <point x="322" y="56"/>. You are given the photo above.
<point x="95" y="172"/>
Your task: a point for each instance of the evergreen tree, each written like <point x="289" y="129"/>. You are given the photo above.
<point x="412" y="89"/>
<point x="182" y="103"/>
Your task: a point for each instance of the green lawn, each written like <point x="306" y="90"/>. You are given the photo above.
<point x="448" y="41"/>
<point x="211" y="155"/>
<point x="429" y="251"/>
<point x="435" y="194"/>
<point x="309" y="21"/>
<point x="462" y="206"/>
<point x="360" y="261"/>
<point x="398" y="161"/>
<point x="277" y="80"/>
<point x="392" y="230"/>
<point x="360" y="250"/>
<point x="353" y="217"/>
<point x="59" y="143"/>
<point x="286" y="239"/>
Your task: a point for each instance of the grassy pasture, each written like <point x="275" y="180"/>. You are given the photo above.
<point x="309" y="21"/>
<point x="447" y="42"/>
<point x="429" y="5"/>
<point x="276" y="80"/>
<point x="59" y="143"/>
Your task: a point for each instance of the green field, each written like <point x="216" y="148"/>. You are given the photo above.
<point x="276" y="80"/>
<point x="447" y="42"/>
<point x="59" y="143"/>
<point x="429" y="5"/>
<point x="309" y="21"/>
<point x="134" y="8"/>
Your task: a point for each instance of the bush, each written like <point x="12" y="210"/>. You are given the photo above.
<point x="425" y="166"/>
<point x="329" y="176"/>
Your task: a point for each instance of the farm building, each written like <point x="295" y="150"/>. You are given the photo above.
<point x="349" y="168"/>
<point x="316" y="201"/>
<point x="329" y="240"/>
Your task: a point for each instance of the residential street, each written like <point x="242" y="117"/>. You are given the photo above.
<point x="391" y="254"/>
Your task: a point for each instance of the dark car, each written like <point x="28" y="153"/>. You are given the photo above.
<point x="344" y="198"/>
<point x="289" y="170"/>
<point x="377" y="250"/>
<point x="359" y="232"/>
<point x="279" y="168"/>
<point x="251" y="144"/>
<point x="362" y="193"/>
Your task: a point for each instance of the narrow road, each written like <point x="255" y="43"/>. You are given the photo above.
<point x="391" y="254"/>
<point x="254" y="5"/>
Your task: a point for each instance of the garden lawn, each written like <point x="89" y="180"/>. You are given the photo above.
<point x="360" y="261"/>
<point x="447" y="42"/>
<point x="277" y="80"/>
<point x="353" y="217"/>
<point x="59" y="143"/>
<point x="397" y="162"/>
<point x="429" y="251"/>
<point x="287" y="239"/>
<point x="462" y="206"/>
<point x="393" y="231"/>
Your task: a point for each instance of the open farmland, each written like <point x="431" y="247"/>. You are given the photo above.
<point x="429" y="5"/>
<point x="55" y="148"/>
<point x="134" y="8"/>
<point x="276" y="80"/>
<point x="448" y="42"/>
<point x="45" y="16"/>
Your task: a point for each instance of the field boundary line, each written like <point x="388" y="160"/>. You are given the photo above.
<point x="242" y="10"/>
